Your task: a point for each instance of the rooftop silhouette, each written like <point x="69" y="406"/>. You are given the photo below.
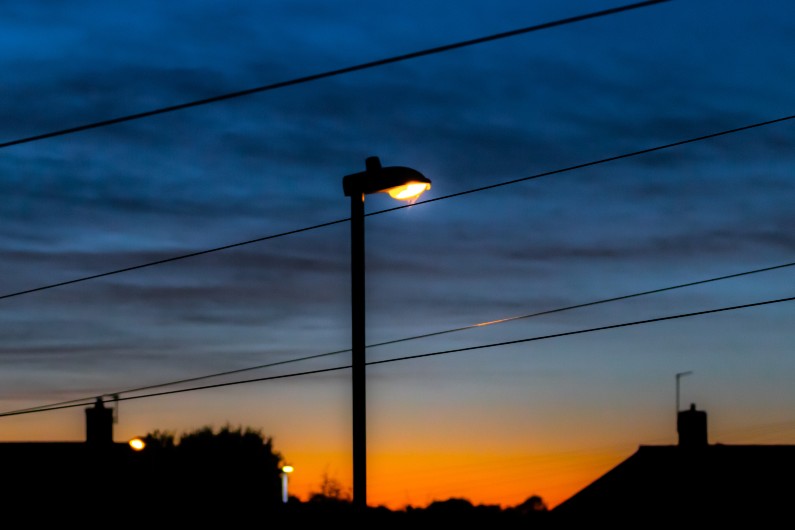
<point x="691" y="481"/>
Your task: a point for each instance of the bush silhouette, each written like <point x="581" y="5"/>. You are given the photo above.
<point x="228" y="471"/>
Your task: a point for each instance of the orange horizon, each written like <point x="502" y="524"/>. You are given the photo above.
<point x="413" y="480"/>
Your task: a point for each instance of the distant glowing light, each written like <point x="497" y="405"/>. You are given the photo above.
<point x="408" y="191"/>
<point x="137" y="444"/>
<point x="286" y="470"/>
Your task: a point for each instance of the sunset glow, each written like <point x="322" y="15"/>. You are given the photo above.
<point x="612" y="206"/>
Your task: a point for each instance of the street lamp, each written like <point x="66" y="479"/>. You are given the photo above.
<point x="286" y="470"/>
<point x="400" y="183"/>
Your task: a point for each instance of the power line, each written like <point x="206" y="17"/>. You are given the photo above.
<point x="90" y="399"/>
<point x="597" y="162"/>
<point x="450" y="196"/>
<point x="578" y="332"/>
<point x="192" y="389"/>
<point x="168" y="260"/>
<point x="426" y="355"/>
<point x="333" y="73"/>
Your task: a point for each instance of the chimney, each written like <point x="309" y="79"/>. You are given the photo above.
<point x="692" y="427"/>
<point x="99" y="425"/>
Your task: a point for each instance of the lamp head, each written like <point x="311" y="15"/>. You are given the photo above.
<point x="400" y="182"/>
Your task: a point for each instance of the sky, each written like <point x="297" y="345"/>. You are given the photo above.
<point x="495" y="424"/>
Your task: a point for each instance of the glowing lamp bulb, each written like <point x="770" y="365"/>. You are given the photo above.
<point x="408" y="191"/>
<point x="287" y="469"/>
<point x="137" y="444"/>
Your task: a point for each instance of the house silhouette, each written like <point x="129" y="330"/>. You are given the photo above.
<point x="40" y="473"/>
<point x="694" y="482"/>
<point x="97" y="480"/>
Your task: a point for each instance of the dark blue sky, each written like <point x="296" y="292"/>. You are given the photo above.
<point x="236" y="170"/>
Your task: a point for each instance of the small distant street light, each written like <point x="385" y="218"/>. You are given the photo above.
<point x="400" y="183"/>
<point x="137" y="444"/>
<point x="286" y="470"/>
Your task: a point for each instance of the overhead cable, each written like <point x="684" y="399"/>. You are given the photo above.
<point x="419" y="203"/>
<point x="332" y="73"/>
<point x="88" y="400"/>
<point x="426" y="355"/>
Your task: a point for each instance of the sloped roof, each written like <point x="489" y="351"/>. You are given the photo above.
<point x="675" y="482"/>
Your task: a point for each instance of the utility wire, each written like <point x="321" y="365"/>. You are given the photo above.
<point x="426" y="355"/>
<point x="578" y="332"/>
<point x="168" y="260"/>
<point x="88" y="400"/>
<point x="452" y="195"/>
<point x="594" y="162"/>
<point x="333" y="73"/>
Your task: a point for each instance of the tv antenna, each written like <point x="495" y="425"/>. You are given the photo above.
<point x="679" y="376"/>
<point x="115" y="398"/>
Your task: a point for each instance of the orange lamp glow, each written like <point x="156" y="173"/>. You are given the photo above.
<point x="137" y="444"/>
<point x="408" y="191"/>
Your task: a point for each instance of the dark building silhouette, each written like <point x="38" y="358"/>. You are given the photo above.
<point x="694" y="481"/>
<point x="99" y="425"/>
<point x="99" y="482"/>
<point x="691" y="425"/>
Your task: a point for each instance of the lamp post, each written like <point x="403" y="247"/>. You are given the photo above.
<point x="400" y="183"/>
<point x="286" y="470"/>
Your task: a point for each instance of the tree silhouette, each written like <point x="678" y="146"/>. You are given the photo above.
<point x="231" y="471"/>
<point x="533" y="504"/>
<point x="162" y="440"/>
<point x="330" y="489"/>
